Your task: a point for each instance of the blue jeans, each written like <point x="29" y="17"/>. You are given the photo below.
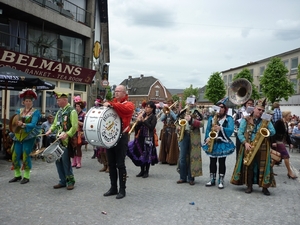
<point x="64" y="168"/>
<point x="184" y="158"/>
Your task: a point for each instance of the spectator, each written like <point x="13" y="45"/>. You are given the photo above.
<point x="277" y="112"/>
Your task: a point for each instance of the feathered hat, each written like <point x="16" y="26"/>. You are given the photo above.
<point x="98" y="101"/>
<point x="78" y="101"/>
<point x="223" y="101"/>
<point x="28" y="94"/>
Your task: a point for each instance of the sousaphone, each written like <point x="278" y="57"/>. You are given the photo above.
<point x="240" y="91"/>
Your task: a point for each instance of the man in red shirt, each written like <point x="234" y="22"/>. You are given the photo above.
<point x="116" y="155"/>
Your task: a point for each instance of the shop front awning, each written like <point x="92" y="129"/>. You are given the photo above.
<point x="45" y="68"/>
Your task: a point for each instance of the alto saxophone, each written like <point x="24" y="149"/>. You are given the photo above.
<point x="256" y="143"/>
<point x="212" y="134"/>
<point x="182" y="124"/>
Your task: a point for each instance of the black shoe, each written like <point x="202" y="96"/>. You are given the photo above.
<point x="110" y="192"/>
<point x="121" y="194"/>
<point x="145" y="175"/>
<point x="140" y="174"/>
<point x="266" y="191"/>
<point x="24" y="181"/>
<point x="15" y="179"/>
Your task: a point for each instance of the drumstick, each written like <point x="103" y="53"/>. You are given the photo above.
<point x="41" y="135"/>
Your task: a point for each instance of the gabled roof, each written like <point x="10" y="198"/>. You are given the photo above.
<point x="176" y="91"/>
<point x="139" y="85"/>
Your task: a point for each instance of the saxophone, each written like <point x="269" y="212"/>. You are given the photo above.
<point x="212" y="134"/>
<point x="182" y="124"/>
<point x="256" y="143"/>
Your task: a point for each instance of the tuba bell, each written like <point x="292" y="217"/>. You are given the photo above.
<point x="240" y="91"/>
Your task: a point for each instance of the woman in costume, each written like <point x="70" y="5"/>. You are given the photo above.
<point x="169" y="150"/>
<point x="78" y="139"/>
<point x="24" y="136"/>
<point x="281" y="138"/>
<point x="190" y="158"/>
<point x="142" y="150"/>
<point x="222" y="125"/>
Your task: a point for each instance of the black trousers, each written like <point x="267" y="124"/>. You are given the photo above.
<point x="213" y="165"/>
<point x="116" y="161"/>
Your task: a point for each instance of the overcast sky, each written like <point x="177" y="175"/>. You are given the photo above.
<point x="184" y="42"/>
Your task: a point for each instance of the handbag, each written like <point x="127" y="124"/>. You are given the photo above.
<point x="79" y="138"/>
<point x="276" y="156"/>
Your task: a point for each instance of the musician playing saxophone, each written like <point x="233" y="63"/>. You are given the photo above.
<point x="169" y="149"/>
<point x="222" y="144"/>
<point x="190" y="161"/>
<point x="259" y="171"/>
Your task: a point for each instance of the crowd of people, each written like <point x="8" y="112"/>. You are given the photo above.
<point x="258" y="134"/>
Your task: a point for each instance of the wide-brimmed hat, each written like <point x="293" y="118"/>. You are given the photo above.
<point x="60" y="95"/>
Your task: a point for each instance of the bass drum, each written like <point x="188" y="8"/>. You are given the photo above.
<point x="102" y="127"/>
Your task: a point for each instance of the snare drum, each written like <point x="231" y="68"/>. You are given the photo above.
<point x="53" y="152"/>
<point x="102" y="127"/>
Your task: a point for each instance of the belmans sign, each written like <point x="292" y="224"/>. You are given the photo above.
<point x="45" y="68"/>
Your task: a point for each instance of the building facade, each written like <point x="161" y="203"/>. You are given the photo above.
<point x="290" y="59"/>
<point x="145" y="89"/>
<point x="54" y="40"/>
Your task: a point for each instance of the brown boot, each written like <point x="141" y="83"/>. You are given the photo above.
<point x="103" y="169"/>
<point x="107" y="170"/>
<point x="249" y="189"/>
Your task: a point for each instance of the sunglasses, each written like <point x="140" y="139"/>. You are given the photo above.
<point x="260" y="109"/>
<point x="222" y="107"/>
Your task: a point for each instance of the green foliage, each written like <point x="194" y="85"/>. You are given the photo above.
<point x="274" y="82"/>
<point x="109" y="95"/>
<point x="188" y="92"/>
<point x="245" y="73"/>
<point x="175" y="98"/>
<point x="215" y="88"/>
<point x="298" y="76"/>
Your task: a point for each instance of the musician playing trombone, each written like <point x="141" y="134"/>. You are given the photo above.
<point x="190" y="161"/>
<point x="258" y="170"/>
<point x="169" y="150"/>
<point x="218" y="144"/>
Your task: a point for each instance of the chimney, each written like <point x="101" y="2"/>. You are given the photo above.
<point x="129" y="77"/>
<point x="142" y="75"/>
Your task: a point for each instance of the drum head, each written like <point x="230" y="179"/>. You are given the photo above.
<point x="110" y="127"/>
<point x="102" y="127"/>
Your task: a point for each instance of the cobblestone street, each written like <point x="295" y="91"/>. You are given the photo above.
<point x="155" y="200"/>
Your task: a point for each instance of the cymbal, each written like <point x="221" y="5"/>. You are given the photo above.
<point x="13" y="124"/>
<point x="37" y="152"/>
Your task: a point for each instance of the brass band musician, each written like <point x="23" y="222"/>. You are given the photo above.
<point x="218" y="144"/>
<point x="169" y="150"/>
<point x="190" y="160"/>
<point x="259" y="170"/>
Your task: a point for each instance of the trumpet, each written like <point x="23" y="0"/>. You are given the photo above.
<point x="182" y="123"/>
<point x="166" y="109"/>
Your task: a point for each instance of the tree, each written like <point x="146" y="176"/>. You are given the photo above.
<point x="215" y="89"/>
<point x="109" y="95"/>
<point x="274" y="82"/>
<point x="188" y="92"/>
<point x="245" y="73"/>
<point x="175" y="98"/>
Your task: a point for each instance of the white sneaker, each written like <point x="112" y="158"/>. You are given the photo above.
<point x="221" y="186"/>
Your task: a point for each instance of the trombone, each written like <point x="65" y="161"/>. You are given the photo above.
<point x="135" y="123"/>
<point x="166" y="109"/>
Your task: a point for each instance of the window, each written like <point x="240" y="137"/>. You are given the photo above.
<point x="261" y="70"/>
<point x="65" y="85"/>
<point x="294" y="65"/>
<point x="225" y="79"/>
<point x="251" y="71"/>
<point x="80" y="87"/>
<point x="229" y="78"/>
<point x="157" y="93"/>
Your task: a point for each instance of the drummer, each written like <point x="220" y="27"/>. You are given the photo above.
<point x="24" y="135"/>
<point x="66" y="124"/>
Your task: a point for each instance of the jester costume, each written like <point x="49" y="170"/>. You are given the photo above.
<point x="23" y="142"/>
